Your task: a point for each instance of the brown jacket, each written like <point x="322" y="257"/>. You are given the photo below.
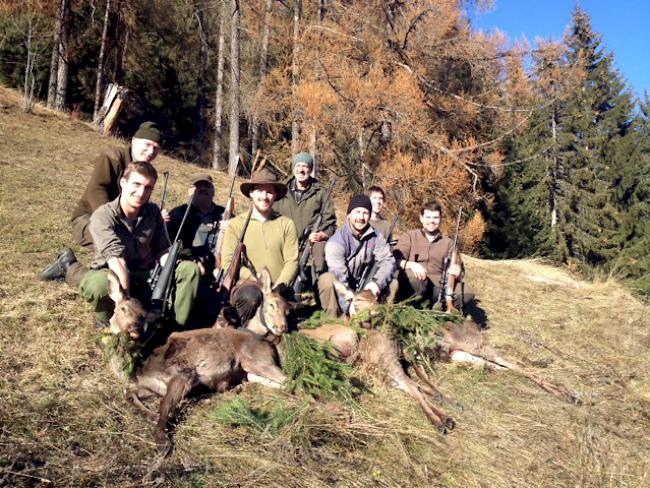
<point x="414" y="246"/>
<point x="104" y="184"/>
<point x="140" y="242"/>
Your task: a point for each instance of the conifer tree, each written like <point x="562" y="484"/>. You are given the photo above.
<point x="557" y="200"/>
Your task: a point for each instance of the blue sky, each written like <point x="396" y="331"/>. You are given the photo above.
<point x="624" y="26"/>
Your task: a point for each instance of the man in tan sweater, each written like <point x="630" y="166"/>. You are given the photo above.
<point x="271" y="242"/>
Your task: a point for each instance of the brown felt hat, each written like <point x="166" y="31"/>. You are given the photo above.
<point x="200" y="177"/>
<point x="264" y="177"/>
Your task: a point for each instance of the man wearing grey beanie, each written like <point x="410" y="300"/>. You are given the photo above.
<point x="304" y="202"/>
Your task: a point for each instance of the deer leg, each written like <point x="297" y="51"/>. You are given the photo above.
<point x="559" y="391"/>
<point x="263" y="371"/>
<point x="430" y="389"/>
<point x="136" y="401"/>
<point x="436" y="416"/>
<point x="177" y="389"/>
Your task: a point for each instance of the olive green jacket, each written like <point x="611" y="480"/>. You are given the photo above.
<point x="305" y="212"/>
<point x="104" y="184"/>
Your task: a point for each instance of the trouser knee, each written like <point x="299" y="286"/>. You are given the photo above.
<point x="246" y="297"/>
<point x="94" y="289"/>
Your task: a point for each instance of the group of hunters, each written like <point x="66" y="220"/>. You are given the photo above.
<point x="131" y="236"/>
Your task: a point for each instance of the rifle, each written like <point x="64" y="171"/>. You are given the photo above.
<point x="371" y="267"/>
<point x="226" y="279"/>
<point x="303" y="280"/>
<point x="161" y="279"/>
<point x="215" y="244"/>
<point x="153" y="279"/>
<point x="446" y="293"/>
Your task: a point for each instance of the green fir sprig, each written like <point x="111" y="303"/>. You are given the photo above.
<point x="314" y="369"/>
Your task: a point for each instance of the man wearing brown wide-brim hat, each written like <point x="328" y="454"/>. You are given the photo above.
<point x="271" y="242"/>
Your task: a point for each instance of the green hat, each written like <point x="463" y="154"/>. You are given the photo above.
<point x="304" y="157"/>
<point x="150" y="131"/>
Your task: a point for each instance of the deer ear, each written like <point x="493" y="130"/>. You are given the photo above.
<point x="264" y="280"/>
<point x="343" y="291"/>
<point x="115" y="290"/>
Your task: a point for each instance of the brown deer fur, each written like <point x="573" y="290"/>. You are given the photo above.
<point x="217" y="358"/>
<point x="379" y="350"/>
<point x="464" y="342"/>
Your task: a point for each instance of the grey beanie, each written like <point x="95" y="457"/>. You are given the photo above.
<point x="304" y="157"/>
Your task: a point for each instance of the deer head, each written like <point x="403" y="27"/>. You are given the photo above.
<point x="359" y="302"/>
<point x="129" y="315"/>
<point x="272" y="313"/>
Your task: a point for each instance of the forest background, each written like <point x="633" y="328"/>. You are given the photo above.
<point x="543" y="145"/>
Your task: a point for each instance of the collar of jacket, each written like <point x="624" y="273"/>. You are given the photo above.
<point x="314" y="184"/>
<point x="367" y="234"/>
<point x="436" y="236"/>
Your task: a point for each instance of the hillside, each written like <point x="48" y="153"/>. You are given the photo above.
<point x="64" y="420"/>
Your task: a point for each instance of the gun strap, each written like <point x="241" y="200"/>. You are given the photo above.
<point x="247" y="262"/>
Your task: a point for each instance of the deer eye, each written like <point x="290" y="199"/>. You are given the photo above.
<point x="123" y="308"/>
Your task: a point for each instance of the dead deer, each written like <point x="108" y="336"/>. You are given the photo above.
<point x="217" y="359"/>
<point x="465" y="343"/>
<point x="129" y="315"/>
<point x="378" y="349"/>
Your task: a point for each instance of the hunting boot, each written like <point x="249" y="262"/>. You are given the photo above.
<point x="58" y="269"/>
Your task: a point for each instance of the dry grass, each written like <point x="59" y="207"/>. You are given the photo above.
<point x="64" y="422"/>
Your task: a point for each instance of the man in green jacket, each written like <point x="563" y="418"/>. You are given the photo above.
<point x="104" y="184"/>
<point x="304" y="201"/>
<point x="271" y="242"/>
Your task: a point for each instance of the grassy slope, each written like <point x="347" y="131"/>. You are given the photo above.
<point x="64" y="419"/>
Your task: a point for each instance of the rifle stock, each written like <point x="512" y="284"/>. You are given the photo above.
<point x="226" y="279"/>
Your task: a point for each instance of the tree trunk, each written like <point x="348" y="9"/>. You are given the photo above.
<point x="295" y="129"/>
<point x="552" y="183"/>
<point x="54" y="63"/>
<point x="204" y="51"/>
<point x="121" y="41"/>
<point x="264" y="49"/>
<point x="233" y="149"/>
<point x="217" y="163"/>
<point x="313" y="136"/>
<point x="64" y="57"/>
<point x="100" y="64"/>
<point x="29" y="70"/>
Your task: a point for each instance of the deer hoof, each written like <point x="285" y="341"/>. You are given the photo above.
<point x="450" y="423"/>
<point x="163" y="443"/>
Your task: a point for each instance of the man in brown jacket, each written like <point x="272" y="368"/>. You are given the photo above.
<point x="419" y="254"/>
<point x="129" y="240"/>
<point x="104" y="184"/>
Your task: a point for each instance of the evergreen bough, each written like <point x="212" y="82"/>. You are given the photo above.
<point x="314" y="369"/>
